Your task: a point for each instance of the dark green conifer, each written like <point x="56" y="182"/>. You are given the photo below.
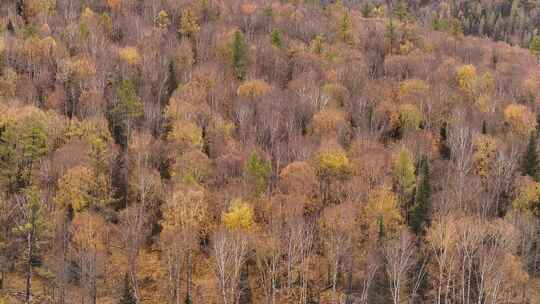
<point x="530" y="160"/>
<point x="418" y="216"/>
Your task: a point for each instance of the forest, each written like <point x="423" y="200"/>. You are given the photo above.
<point x="269" y="152"/>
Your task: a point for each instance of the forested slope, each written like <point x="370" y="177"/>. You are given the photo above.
<point x="207" y="151"/>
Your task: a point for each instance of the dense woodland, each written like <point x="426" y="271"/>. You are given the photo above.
<point x="235" y="152"/>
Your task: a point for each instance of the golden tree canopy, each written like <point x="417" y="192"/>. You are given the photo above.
<point x="239" y="216"/>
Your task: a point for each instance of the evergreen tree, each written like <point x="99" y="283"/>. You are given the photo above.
<point x="419" y="212"/>
<point x="170" y="85"/>
<point x="128" y="296"/>
<point x="276" y="38"/>
<point x="127" y="108"/>
<point x="391" y="35"/>
<point x="239" y="52"/>
<point x="401" y="11"/>
<point x="530" y="164"/>
<point x="534" y="46"/>
<point x="345" y="28"/>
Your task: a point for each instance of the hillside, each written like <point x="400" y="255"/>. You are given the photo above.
<point x="231" y="152"/>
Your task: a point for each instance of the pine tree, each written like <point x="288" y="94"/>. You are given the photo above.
<point x="419" y="212"/>
<point x="128" y="296"/>
<point x="239" y="55"/>
<point x="530" y="164"/>
<point x="276" y="38"/>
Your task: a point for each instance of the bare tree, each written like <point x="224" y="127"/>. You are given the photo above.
<point x="230" y="251"/>
<point x="399" y="256"/>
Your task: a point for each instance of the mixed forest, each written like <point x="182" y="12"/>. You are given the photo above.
<point x="288" y="151"/>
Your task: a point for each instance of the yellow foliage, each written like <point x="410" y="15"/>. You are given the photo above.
<point x="73" y="188"/>
<point x="466" y="78"/>
<point x="87" y="14"/>
<point x="528" y="195"/>
<point x="130" y="55"/>
<point x="163" y="20"/>
<point x="409" y="117"/>
<point x="239" y="217"/>
<point x="382" y="206"/>
<point x="485" y="148"/>
<point x="332" y="163"/>
<point x="186" y="132"/>
<point x="520" y="119"/>
<point x="188" y="23"/>
<point x="379" y="11"/>
<point x="253" y="88"/>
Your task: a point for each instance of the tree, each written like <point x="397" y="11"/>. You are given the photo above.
<point x="467" y="78"/>
<point x="127" y="292"/>
<point x="381" y="213"/>
<point x="252" y="89"/>
<point x="184" y="220"/>
<point x="345" y="28"/>
<point x="130" y="55"/>
<point x="336" y="227"/>
<point x="23" y="141"/>
<point x="276" y="38"/>
<point x="257" y="172"/>
<point x="163" y="20"/>
<point x="530" y="165"/>
<point x="239" y="54"/>
<point x="399" y="256"/>
<point x="74" y="189"/>
<point x="534" y="46"/>
<point x="189" y="25"/>
<point x="404" y="174"/>
<point x="520" y="119"/>
<point x="31" y="226"/>
<point x="331" y="167"/>
<point x="401" y="10"/>
<point x="410" y="117"/>
<point x="419" y="212"/>
<point x="87" y="246"/>
<point x="230" y="249"/>
<point x="127" y="109"/>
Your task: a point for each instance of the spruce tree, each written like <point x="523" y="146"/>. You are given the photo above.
<point x="128" y="296"/>
<point x="419" y="212"/>
<point x="530" y="164"/>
